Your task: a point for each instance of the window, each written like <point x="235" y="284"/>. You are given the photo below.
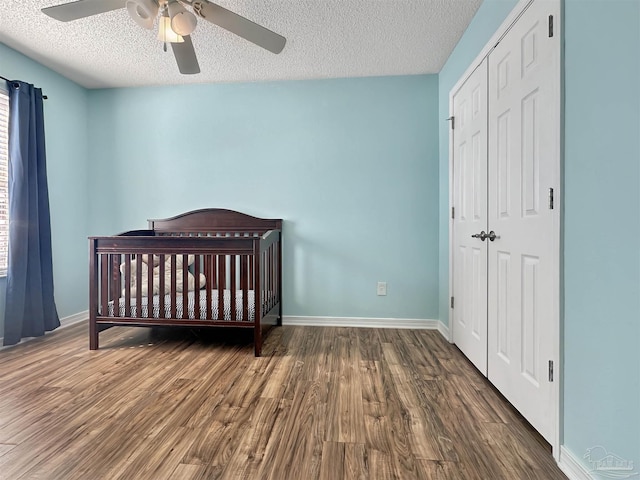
<point x="4" y="180"/>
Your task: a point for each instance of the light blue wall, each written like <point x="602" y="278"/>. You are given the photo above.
<point x="601" y="391"/>
<point x="602" y="227"/>
<point x="66" y="114"/>
<point x="350" y="164"/>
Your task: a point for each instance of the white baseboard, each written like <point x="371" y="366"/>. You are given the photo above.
<point x="572" y="467"/>
<point x="75" y="318"/>
<point x="361" y="322"/>
<point x="444" y="331"/>
<point x="64" y="322"/>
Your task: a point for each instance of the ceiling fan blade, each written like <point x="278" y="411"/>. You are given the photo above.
<point x="186" y="56"/>
<point x="241" y="26"/>
<point x="82" y="8"/>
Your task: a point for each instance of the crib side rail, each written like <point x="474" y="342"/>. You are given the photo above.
<point x="227" y="264"/>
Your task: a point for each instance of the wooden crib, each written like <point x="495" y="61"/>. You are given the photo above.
<point x="239" y="256"/>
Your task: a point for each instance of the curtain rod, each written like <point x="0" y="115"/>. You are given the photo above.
<point x="7" y="80"/>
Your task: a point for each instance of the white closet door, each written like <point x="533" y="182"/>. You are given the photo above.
<point x="470" y="200"/>
<point x="523" y="128"/>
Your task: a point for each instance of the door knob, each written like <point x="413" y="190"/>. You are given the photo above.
<point x="482" y="235"/>
<point x="492" y="235"/>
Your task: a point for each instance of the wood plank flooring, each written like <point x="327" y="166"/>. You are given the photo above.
<point x="322" y="403"/>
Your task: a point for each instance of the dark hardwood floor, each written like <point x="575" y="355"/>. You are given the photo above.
<point x="322" y="403"/>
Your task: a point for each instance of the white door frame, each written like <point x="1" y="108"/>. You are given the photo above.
<point x="517" y="11"/>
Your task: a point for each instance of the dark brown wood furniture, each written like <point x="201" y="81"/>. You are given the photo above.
<point x="239" y="255"/>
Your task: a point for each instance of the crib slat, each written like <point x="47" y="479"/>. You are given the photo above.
<point x="210" y="279"/>
<point x="116" y="280"/>
<point x="221" y="282"/>
<point x="173" y="286"/>
<point x="251" y="272"/>
<point x="138" y="281"/>
<point x="161" y="286"/>
<point x="232" y="284"/>
<point x="267" y="279"/>
<point x="127" y="282"/>
<point x="278" y="278"/>
<point x="185" y="286"/>
<point x="150" y="285"/>
<point x="214" y="272"/>
<point x="196" y="294"/>
<point x="270" y="279"/>
<point x="257" y="334"/>
<point x="264" y="278"/>
<point x="244" y="282"/>
<point x="269" y="273"/>
<point x="272" y="290"/>
<point x="271" y="276"/>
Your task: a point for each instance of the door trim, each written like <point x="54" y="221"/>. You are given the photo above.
<point x="506" y="25"/>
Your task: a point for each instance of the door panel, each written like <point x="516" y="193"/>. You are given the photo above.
<point x="502" y="313"/>
<point x="470" y="200"/>
<point x="522" y="125"/>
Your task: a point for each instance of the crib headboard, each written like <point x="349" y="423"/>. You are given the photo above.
<point x="214" y="220"/>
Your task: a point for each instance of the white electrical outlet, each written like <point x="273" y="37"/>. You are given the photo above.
<point x="382" y="288"/>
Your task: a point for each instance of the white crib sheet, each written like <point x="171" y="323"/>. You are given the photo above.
<point x="191" y="311"/>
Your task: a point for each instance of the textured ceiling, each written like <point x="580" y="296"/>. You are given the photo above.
<point x="325" y="39"/>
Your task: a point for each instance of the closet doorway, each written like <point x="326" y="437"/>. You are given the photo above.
<point x="505" y="225"/>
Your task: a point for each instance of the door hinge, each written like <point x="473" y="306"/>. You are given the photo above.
<point x="550" y="26"/>
<point x="453" y="121"/>
<point x="551" y="370"/>
<point x="453" y="212"/>
<point x="451" y="302"/>
<point x="551" y="199"/>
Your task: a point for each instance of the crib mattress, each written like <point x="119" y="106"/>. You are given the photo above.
<point x="191" y="311"/>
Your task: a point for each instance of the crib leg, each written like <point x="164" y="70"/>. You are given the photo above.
<point x="257" y="340"/>
<point x="93" y="335"/>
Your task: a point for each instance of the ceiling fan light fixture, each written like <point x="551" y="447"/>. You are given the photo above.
<point x="165" y="32"/>
<point x="143" y="12"/>
<point x="182" y="21"/>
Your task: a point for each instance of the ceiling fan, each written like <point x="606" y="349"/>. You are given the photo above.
<point x="175" y="23"/>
